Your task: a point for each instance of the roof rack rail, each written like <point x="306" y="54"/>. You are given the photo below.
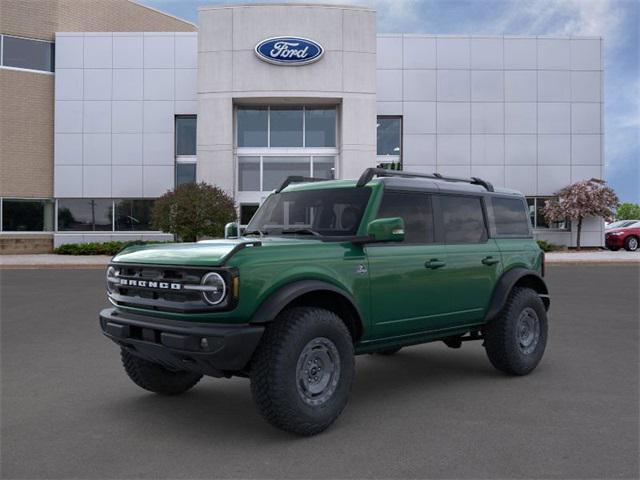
<point x="370" y="173"/>
<point x="298" y="179"/>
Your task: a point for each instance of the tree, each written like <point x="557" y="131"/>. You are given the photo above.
<point x="193" y="211"/>
<point x="586" y="198"/>
<point x="628" y="211"/>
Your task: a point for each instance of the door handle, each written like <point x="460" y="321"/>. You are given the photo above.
<point x="490" y="260"/>
<point x="434" y="263"/>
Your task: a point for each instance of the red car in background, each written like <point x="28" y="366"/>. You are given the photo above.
<point x="626" y="237"/>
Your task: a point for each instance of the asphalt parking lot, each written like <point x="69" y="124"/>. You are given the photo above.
<point x="68" y="410"/>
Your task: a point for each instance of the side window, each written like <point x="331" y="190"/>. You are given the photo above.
<point x="463" y="220"/>
<point x="510" y="217"/>
<point x="415" y="209"/>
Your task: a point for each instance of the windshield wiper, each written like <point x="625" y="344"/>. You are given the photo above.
<point x="307" y="231"/>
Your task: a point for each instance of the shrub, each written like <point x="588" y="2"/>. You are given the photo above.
<point x="193" y="211"/>
<point x="548" y="246"/>
<point x="97" y="248"/>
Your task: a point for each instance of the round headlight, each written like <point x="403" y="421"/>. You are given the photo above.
<point x="215" y="290"/>
<point x="111" y="274"/>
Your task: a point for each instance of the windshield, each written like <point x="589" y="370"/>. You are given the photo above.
<point x="621" y="224"/>
<point x="326" y="212"/>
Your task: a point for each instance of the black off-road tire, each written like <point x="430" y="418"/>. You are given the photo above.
<point x="631" y="243"/>
<point x="502" y="339"/>
<point x="276" y="385"/>
<point x="389" y="351"/>
<point x="156" y="378"/>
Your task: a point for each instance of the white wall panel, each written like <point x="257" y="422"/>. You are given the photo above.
<point x="487" y="150"/>
<point x="68" y="84"/>
<point x="126" y="117"/>
<point x="552" y="178"/>
<point x="186" y="50"/>
<point x="554" y="118"/>
<point x="389" y="52"/>
<point x="520" y="149"/>
<point x="521" y="85"/>
<point x="96" y="181"/>
<point x="453" y="117"/>
<point x="554" y="54"/>
<point x="487" y="85"/>
<point x="419" y="117"/>
<point x="96" y="149"/>
<point x="67" y="181"/>
<point x="554" y="149"/>
<point x="68" y="149"/>
<point x="487" y="53"/>
<point x="419" y="149"/>
<point x="156" y="180"/>
<point x="158" y="84"/>
<point x="487" y="117"/>
<point x="158" y="51"/>
<point x="68" y="116"/>
<point x="96" y="116"/>
<point x="453" y="52"/>
<point x="585" y="86"/>
<point x="186" y="84"/>
<point x="98" y="51"/>
<point x="586" y="54"/>
<point x="127" y="51"/>
<point x="454" y="149"/>
<point x="419" y="85"/>
<point x="586" y="150"/>
<point x="158" y="149"/>
<point x="419" y="52"/>
<point x="554" y="86"/>
<point x="521" y="178"/>
<point x="520" y="118"/>
<point x="69" y="50"/>
<point x="158" y="117"/>
<point x="454" y="86"/>
<point x="97" y="84"/>
<point x="128" y="84"/>
<point x="389" y="85"/>
<point x="520" y="53"/>
<point x="585" y="118"/>
<point x="126" y="149"/>
<point x="126" y="181"/>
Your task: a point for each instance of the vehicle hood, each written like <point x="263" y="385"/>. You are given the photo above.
<point x="204" y="253"/>
<point x="618" y="230"/>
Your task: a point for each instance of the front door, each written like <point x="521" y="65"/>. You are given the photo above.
<point x="408" y="279"/>
<point x="473" y="259"/>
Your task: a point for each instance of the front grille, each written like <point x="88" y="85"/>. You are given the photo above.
<point x="163" y="288"/>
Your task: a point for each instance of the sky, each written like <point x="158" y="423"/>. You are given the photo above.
<point x="617" y="21"/>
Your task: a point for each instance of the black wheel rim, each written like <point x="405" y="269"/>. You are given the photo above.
<point x="318" y="371"/>
<point x="528" y="330"/>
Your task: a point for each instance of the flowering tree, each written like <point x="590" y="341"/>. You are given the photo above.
<point x="586" y="198"/>
<point x="193" y="211"/>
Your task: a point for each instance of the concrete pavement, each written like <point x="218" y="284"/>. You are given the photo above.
<point x="69" y="411"/>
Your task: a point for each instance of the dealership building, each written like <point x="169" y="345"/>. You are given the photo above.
<point x="119" y="103"/>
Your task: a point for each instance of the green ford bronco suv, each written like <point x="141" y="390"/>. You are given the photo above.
<point x="327" y="270"/>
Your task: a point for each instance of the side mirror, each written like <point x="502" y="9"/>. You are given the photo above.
<point x="386" y="229"/>
<point x="231" y="230"/>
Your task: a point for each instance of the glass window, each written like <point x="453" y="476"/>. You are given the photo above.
<point x="84" y="214"/>
<point x="324" y="167"/>
<point x="185" y="173"/>
<point x="23" y="215"/>
<point x="389" y="133"/>
<point x="186" y="135"/>
<point x="336" y="211"/>
<point x="249" y="174"/>
<point x="247" y="211"/>
<point x="286" y="127"/>
<point x="25" y="53"/>
<point x="542" y="222"/>
<point x="133" y="215"/>
<point x="276" y="169"/>
<point x="415" y="210"/>
<point x="531" y="205"/>
<point x="253" y="124"/>
<point x="320" y="127"/>
<point x="462" y="219"/>
<point x="510" y="217"/>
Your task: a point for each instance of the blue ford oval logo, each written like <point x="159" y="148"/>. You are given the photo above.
<point x="289" y="50"/>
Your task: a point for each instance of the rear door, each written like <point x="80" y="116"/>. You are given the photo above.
<point x="473" y="259"/>
<point x="408" y="279"/>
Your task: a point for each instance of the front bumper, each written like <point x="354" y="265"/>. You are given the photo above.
<point x="211" y="349"/>
<point x="614" y="241"/>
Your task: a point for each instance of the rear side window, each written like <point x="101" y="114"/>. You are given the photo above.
<point x="510" y="217"/>
<point x="463" y="219"/>
<point x="415" y="209"/>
